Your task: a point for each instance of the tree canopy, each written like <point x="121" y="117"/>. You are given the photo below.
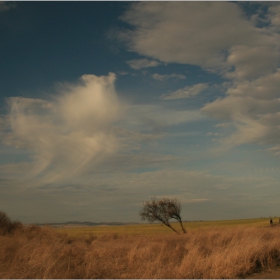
<point x="162" y="210"/>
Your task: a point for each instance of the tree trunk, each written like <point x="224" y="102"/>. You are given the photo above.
<point x="182" y="226"/>
<point x="168" y="225"/>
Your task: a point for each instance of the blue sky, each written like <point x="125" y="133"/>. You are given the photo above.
<point x="106" y="104"/>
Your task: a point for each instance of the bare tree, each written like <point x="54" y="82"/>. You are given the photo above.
<point x="174" y="208"/>
<point x="162" y="210"/>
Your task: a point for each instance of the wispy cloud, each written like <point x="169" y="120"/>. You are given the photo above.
<point x="6" y="6"/>
<point x="142" y="63"/>
<point x="153" y="117"/>
<point x="186" y="92"/>
<point x="252" y="62"/>
<point x="193" y="188"/>
<point x="253" y="108"/>
<point x="160" y="77"/>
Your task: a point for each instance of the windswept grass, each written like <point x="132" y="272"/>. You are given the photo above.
<point x="227" y="252"/>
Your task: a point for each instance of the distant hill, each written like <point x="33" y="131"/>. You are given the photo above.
<point x="79" y="224"/>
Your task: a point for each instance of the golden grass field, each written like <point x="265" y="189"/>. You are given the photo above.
<point x="220" y="249"/>
<point x="156" y="228"/>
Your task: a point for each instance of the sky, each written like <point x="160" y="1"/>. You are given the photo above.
<point x="104" y="105"/>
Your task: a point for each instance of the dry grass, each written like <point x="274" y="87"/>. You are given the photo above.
<point x="157" y="228"/>
<point x="33" y="252"/>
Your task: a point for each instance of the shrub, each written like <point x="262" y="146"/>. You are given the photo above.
<point x="6" y="225"/>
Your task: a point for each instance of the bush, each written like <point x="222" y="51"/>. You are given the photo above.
<point x="6" y="225"/>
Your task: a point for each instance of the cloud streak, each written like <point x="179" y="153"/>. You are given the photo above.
<point x="186" y="92"/>
<point x="142" y="63"/>
<point x="160" y="77"/>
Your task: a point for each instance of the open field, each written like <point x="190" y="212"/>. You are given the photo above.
<point x="226" y="250"/>
<point x="154" y="229"/>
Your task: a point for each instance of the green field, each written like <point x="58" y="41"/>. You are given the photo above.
<point x="151" y="229"/>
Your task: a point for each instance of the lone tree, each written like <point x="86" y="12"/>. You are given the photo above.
<point x="162" y="210"/>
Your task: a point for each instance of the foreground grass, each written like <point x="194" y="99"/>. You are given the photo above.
<point x="225" y="252"/>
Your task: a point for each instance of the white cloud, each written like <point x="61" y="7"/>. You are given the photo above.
<point x="198" y="33"/>
<point x="186" y="92"/>
<point x="142" y="63"/>
<point x="252" y="62"/>
<point x="69" y="132"/>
